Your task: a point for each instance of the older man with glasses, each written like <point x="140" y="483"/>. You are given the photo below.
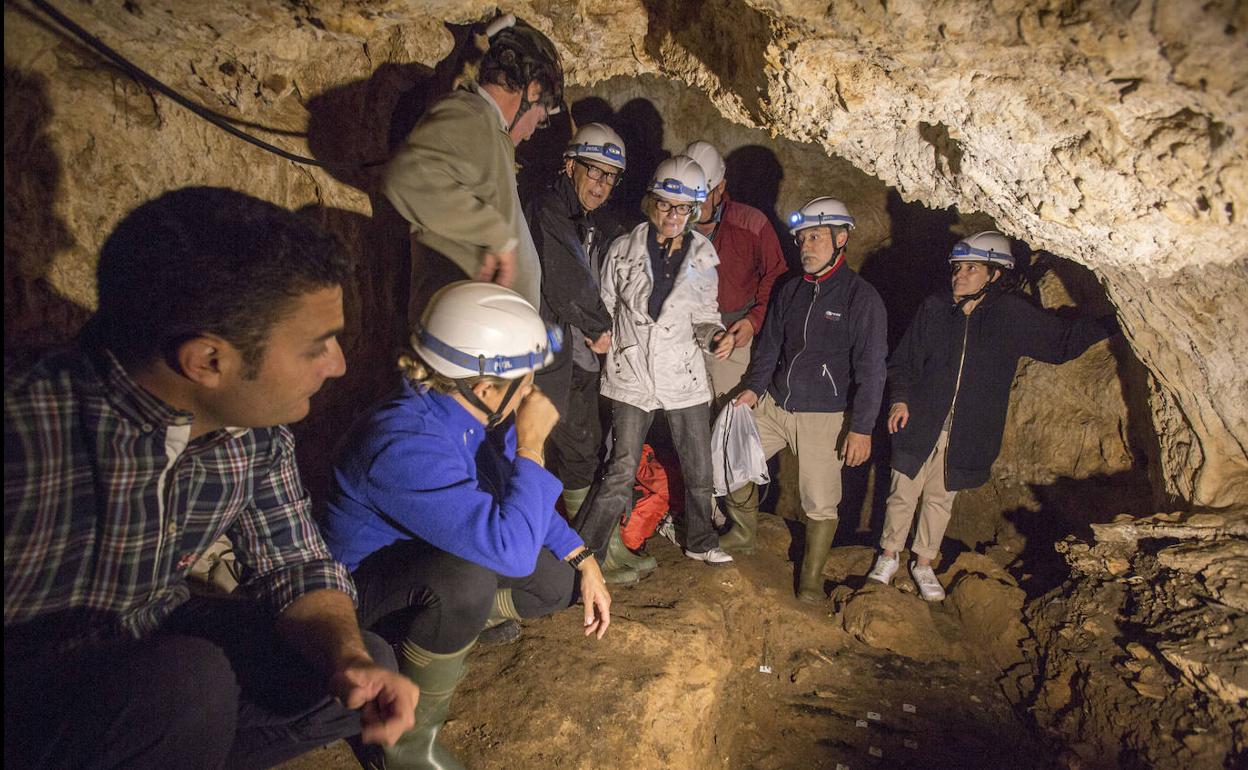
<point x="571" y="239"/>
<point x="454" y="178"/>
<point x="825" y="331"/>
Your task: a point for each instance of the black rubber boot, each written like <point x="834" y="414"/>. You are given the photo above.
<point x="742" y="508"/>
<point x="819" y="536"/>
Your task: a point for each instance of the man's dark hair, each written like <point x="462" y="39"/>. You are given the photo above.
<point x="520" y="55"/>
<point x="208" y="260"/>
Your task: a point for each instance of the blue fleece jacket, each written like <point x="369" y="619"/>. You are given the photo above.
<point x="422" y="467"/>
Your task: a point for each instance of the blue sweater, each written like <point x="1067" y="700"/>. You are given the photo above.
<point x="422" y="467"/>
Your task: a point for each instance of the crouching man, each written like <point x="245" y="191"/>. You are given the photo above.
<point x="130" y="453"/>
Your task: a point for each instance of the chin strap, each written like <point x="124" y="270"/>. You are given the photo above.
<point x="960" y="303"/>
<point x="493" y="417"/>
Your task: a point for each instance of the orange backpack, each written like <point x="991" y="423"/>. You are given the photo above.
<point x="661" y="489"/>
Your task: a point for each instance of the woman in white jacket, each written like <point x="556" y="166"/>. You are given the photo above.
<point x="660" y="286"/>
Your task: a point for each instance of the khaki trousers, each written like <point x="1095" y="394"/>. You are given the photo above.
<point x="937" y="505"/>
<point x="812" y="437"/>
<point x="726" y="374"/>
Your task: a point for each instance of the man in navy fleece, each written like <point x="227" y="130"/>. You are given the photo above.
<point x="824" y="329"/>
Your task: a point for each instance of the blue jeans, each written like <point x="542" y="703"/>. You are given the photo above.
<point x="612" y="494"/>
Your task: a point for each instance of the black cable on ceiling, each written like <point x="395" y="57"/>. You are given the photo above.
<point x="155" y="84"/>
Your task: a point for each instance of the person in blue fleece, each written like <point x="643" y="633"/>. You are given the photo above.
<point x="443" y="510"/>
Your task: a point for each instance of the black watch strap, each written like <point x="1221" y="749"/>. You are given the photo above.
<point x="575" y="561"/>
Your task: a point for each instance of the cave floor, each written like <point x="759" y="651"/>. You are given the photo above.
<point x="721" y="667"/>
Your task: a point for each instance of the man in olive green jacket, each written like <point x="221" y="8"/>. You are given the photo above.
<point x="454" y="178"/>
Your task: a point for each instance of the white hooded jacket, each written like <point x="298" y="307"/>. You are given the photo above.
<point x="657" y="364"/>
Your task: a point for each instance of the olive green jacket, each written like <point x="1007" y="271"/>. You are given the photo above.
<point x="454" y="180"/>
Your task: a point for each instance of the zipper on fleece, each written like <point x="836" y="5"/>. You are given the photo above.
<point x="788" y="378"/>
<point x="832" y="380"/>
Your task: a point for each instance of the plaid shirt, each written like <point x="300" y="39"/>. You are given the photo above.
<point x="107" y="505"/>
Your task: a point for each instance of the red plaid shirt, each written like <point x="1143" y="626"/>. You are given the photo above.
<point x="107" y="505"/>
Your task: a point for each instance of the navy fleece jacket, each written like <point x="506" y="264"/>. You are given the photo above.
<point x="819" y="334"/>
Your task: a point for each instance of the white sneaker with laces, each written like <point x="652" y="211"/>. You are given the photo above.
<point x="884" y="569"/>
<point x="714" y="556"/>
<point x="925" y="579"/>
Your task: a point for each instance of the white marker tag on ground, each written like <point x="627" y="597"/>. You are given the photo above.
<point x="875" y="751"/>
<point x="910" y="743"/>
<point x="908" y="708"/>
<point x="764" y="669"/>
<point x="874" y="716"/>
<point x="860" y="723"/>
<point x="839" y="766"/>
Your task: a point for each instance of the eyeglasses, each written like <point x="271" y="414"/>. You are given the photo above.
<point x="680" y="208"/>
<point x="812" y="235"/>
<point x="597" y="174"/>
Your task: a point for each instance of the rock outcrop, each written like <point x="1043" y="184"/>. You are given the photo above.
<point x="1143" y="655"/>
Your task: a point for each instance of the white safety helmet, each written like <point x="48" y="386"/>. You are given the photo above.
<point x="988" y="246"/>
<point x="820" y="211"/>
<point x="472" y="328"/>
<point x="679" y="179"/>
<point x="709" y="159"/>
<point x="596" y="141"/>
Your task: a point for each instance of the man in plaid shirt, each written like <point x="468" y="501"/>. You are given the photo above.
<point x="129" y="454"/>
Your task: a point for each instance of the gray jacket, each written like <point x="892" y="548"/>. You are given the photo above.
<point x="657" y="364"/>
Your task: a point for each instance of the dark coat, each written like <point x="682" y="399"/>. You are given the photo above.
<point x="923" y="374"/>
<point x="560" y="229"/>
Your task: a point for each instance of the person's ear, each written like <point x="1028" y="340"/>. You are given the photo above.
<point x="206" y="359"/>
<point x="842" y="237"/>
<point x="534" y="91"/>
<point x="483" y="390"/>
<point x="996" y="273"/>
<point x="569" y="166"/>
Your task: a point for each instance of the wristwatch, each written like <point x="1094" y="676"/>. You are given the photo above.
<point x="575" y="561"/>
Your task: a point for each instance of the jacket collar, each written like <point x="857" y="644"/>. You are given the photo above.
<point x="836" y="266"/>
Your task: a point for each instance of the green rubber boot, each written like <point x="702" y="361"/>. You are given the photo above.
<point x="437" y="675"/>
<point x="573" y="499"/>
<point x="503" y="624"/>
<point x="615" y="572"/>
<point x="618" y="553"/>
<point x="819" y="536"/>
<point x="742" y="508"/>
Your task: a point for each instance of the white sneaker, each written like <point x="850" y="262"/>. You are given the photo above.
<point x="667" y="529"/>
<point x="925" y="579"/>
<point x="714" y="556"/>
<point x="884" y="569"/>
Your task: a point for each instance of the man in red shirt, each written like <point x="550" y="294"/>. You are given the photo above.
<point x="750" y="261"/>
